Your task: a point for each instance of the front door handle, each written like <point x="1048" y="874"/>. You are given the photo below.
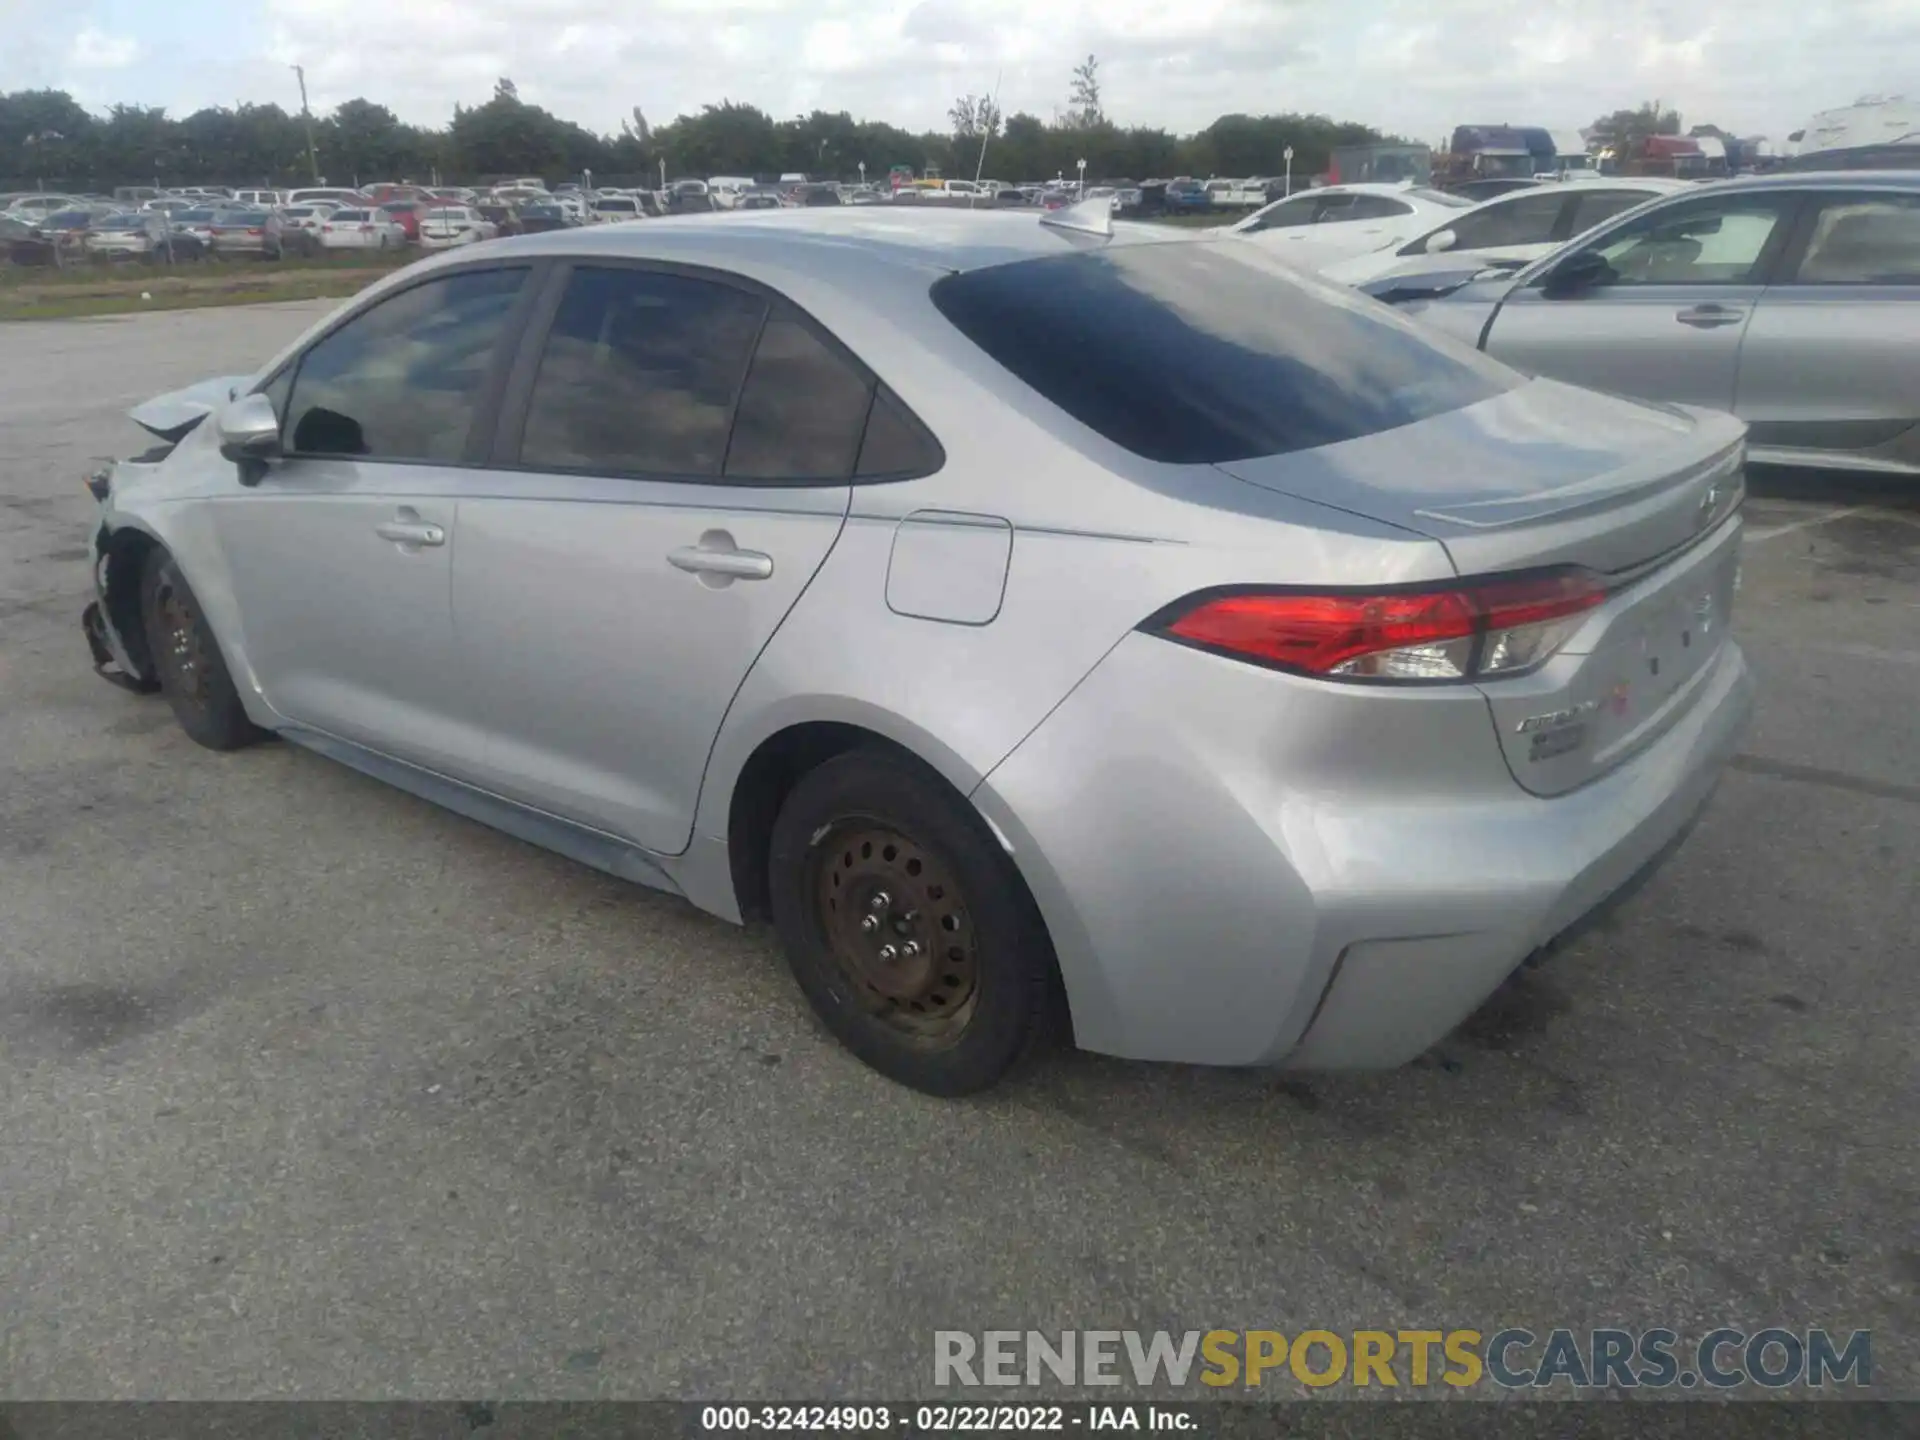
<point x="410" y="532"/>
<point x="1708" y="316"/>
<point x="734" y="564"/>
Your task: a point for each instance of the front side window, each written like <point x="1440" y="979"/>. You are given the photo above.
<point x="639" y="374"/>
<point x="1720" y="241"/>
<point x="401" y="380"/>
<point x="1597" y="206"/>
<point x="1864" y="239"/>
<point x="1203" y="353"/>
<point x="1524" y="220"/>
<point x="1297" y="211"/>
<point x="1375" y="207"/>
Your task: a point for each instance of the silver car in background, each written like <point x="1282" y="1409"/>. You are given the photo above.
<point x="1030" y="617"/>
<point x="1790" y="300"/>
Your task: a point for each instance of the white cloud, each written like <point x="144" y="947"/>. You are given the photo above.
<point x="95" y="49"/>
<point x="1417" y="67"/>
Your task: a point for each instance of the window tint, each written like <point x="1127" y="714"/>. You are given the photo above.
<point x="1194" y="353"/>
<point x="639" y="374"/>
<point x="896" y="443"/>
<point x="1297" y="211"/>
<point x="1375" y="207"/>
<point x="1524" y="220"/>
<point x="802" y="410"/>
<point x="1333" y="209"/>
<point x="1708" y="242"/>
<point x="400" y="381"/>
<point x="1596" y="207"/>
<point x="1865" y="240"/>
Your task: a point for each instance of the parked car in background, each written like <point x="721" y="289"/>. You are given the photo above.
<point x="1187" y="196"/>
<point x="406" y="214"/>
<point x="611" y="208"/>
<point x="370" y="228"/>
<point x="757" y="200"/>
<point x="308" y="217"/>
<point x="504" y="218"/>
<point x="1510" y="230"/>
<point x="323" y="192"/>
<point x="169" y="204"/>
<point x="815" y="195"/>
<point x="1316" y="227"/>
<point x="200" y="221"/>
<point x="141" y="235"/>
<point x="251" y="233"/>
<point x="1431" y="657"/>
<point x="38" y="206"/>
<point x="260" y="199"/>
<point x="444" y="226"/>
<point x="1790" y="299"/>
<point x="726" y="190"/>
<point x="546" y="215"/>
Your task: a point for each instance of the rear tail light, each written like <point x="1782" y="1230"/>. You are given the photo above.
<point x="1476" y="630"/>
<point x="256" y="232"/>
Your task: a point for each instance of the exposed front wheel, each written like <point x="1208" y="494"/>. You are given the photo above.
<point x="187" y="660"/>
<point x="906" y="925"/>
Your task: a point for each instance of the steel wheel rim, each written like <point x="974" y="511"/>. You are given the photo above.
<point x="182" y="649"/>
<point x="875" y="891"/>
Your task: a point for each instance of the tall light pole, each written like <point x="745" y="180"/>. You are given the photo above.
<point x="313" y="162"/>
<point x="1083" y="177"/>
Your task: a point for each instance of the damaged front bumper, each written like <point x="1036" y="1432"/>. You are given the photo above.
<point x="111" y="659"/>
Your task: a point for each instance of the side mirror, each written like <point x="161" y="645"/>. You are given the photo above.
<point x="249" y="430"/>
<point x="1578" y="272"/>
<point x="1442" y="240"/>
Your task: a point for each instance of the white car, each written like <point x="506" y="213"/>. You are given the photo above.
<point x="310" y="216"/>
<point x="361" y="229"/>
<point x="1513" y="229"/>
<point x="323" y="192"/>
<point x="1317" y="227"/>
<point x="260" y="199"/>
<point x="444" y="226"/>
<point x="610" y="207"/>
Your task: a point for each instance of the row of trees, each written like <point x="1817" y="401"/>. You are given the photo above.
<point x="47" y="138"/>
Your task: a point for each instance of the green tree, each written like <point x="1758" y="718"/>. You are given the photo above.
<point x="1083" y="95"/>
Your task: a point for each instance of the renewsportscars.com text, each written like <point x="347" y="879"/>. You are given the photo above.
<point x="1772" y="1358"/>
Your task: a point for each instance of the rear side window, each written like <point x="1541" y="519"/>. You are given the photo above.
<point x="1864" y="240"/>
<point x="1202" y="352"/>
<point x="1523" y="220"/>
<point x="401" y="380"/>
<point x="803" y="409"/>
<point x="1596" y="207"/>
<point x="639" y="374"/>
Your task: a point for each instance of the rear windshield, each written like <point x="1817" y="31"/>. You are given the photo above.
<point x="348" y="215"/>
<point x="1201" y="352"/>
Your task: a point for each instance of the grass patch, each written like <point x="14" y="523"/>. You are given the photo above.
<point x="33" y="293"/>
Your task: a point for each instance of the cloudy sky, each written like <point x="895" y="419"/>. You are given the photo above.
<point x="1413" y="66"/>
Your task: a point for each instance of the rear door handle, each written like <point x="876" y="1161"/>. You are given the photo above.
<point x="410" y="532"/>
<point x="725" y="563"/>
<point x="1708" y="316"/>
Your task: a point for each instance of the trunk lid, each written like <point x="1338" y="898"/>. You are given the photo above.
<point x="1544" y="474"/>
<point x="1547" y="475"/>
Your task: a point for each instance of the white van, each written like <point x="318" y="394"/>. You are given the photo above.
<point x="726" y="190"/>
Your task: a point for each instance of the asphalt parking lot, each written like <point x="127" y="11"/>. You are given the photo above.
<point x="310" y="1089"/>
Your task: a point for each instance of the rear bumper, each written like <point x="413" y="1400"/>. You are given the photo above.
<point x="1242" y="868"/>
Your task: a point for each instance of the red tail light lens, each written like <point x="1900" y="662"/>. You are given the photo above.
<point x="1478" y="630"/>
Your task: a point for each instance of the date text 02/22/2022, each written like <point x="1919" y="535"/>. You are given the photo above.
<point x="963" y="1419"/>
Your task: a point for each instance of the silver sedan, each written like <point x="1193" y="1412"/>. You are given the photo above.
<point x="1037" y="619"/>
<point x="1791" y="300"/>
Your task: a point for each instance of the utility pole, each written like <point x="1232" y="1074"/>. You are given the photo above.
<point x="313" y="164"/>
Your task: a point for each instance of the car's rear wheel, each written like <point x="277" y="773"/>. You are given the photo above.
<point x="906" y="926"/>
<point x="187" y="661"/>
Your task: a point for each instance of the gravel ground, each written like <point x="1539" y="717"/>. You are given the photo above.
<point x="309" y="1089"/>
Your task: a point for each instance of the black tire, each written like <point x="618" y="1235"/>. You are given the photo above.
<point x="187" y="660"/>
<point x="971" y="990"/>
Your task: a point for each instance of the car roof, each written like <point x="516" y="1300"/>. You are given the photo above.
<point x="1819" y="180"/>
<point x="820" y="240"/>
